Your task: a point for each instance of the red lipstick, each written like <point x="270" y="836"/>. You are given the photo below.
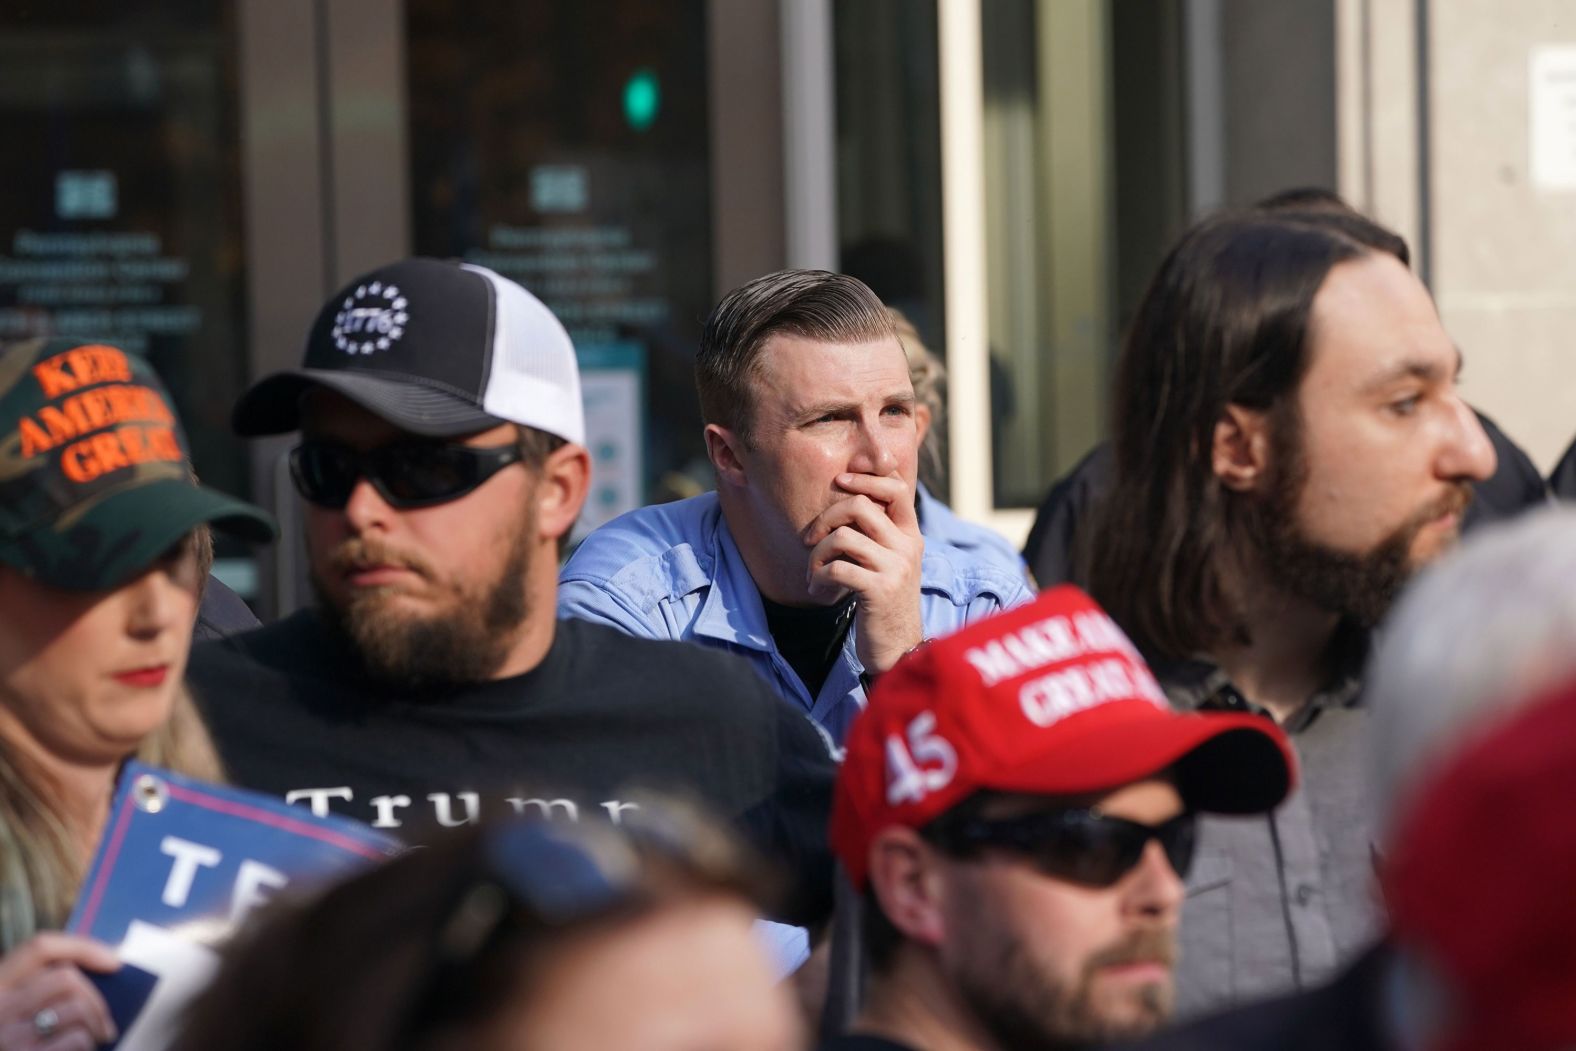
<point x="153" y="676"/>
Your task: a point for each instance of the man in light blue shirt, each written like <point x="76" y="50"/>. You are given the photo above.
<point x="808" y="558"/>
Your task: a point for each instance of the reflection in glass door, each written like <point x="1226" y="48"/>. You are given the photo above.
<point x="1085" y="186"/>
<point x="566" y="146"/>
<point x="121" y="215"/>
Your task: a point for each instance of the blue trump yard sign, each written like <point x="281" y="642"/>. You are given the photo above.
<point x="180" y="864"/>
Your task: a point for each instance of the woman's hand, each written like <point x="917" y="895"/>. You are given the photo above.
<point x="46" y="1002"/>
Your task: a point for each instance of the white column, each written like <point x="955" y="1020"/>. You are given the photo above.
<point x="963" y="235"/>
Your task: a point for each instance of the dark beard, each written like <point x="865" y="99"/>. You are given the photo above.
<point x="1026" y="1010"/>
<point x="1361" y="586"/>
<point x="460" y="646"/>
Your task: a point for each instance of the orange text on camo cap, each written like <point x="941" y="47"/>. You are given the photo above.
<point x="123" y="447"/>
<point x="81" y="367"/>
<point x="147" y="433"/>
<point x="92" y="410"/>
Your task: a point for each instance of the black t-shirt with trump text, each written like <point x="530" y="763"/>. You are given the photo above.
<point x="603" y="716"/>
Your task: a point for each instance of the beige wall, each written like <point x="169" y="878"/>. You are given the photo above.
<point x="1504" y="249"/>
<point x="1503" y="264"/>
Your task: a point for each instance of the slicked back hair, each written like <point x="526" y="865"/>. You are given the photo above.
<point x="1225" y="321"/>
<point x="810" y="304"/>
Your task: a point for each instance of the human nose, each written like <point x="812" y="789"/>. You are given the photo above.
<point x="158" y="601"/>
<point x="365" y="508"/>
<point x="1156" y="888"/>
<point x="875" y="453"/>
<point x="1467" y="452"/>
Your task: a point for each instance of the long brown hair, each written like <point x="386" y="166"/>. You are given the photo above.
<point x="1225" y="321"/>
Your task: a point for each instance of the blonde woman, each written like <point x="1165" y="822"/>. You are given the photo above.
<point x="103" y="547"/>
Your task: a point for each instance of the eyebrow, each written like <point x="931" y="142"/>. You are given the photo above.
<point x="1427" y="371"/>
<point x="832" y="408"/>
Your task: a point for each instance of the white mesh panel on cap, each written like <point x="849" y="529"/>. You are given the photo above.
<point x="534" y="378"/>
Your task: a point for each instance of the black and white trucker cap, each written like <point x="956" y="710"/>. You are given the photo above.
<point x="436" y="348"/>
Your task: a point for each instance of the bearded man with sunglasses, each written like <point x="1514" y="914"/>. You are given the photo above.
<point x="442" y="463"/>
<point x="1017" y="807"/>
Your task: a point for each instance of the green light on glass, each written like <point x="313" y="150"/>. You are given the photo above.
<point x="642" y="99"/>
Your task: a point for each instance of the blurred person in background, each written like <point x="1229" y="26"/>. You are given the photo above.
<point x="1473" y="766"/>
<point x="1484" y="934"/>
<point x="936" y="519"/>
<point x="222" y="613"/>
<point x="104" y="544"/>
<point x="1290" y="447"/>
<point x="1018" y="807"/>
<point x="527" y="934"/>
<point x="1562" y="480"/>
<point x="808" y="558"/>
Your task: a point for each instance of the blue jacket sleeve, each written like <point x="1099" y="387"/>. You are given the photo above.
<point x="584" y="600"/>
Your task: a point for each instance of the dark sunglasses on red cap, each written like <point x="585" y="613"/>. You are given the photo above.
<point x="1081" y="845"/>
<point x="406" y="474"/>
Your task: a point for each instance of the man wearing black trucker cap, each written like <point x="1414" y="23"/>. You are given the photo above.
<point x="441" y="463"/>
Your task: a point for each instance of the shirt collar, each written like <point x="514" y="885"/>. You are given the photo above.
<point x="1198" y="683"/>
<point x="731" y="610"/>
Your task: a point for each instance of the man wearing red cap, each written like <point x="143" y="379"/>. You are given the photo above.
<point x="1017" y="807"/>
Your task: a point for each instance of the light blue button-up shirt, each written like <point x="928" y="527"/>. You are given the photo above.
<point x="937" y="521"/>
<point x="673" y="571"/>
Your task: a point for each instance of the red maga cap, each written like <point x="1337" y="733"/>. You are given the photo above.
<point x="1046" y="699"/>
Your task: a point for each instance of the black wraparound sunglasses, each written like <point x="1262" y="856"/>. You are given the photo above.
<point x="1080" y="846"/>
<point x="406" y="474"/>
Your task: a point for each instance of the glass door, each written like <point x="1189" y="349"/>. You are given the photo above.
<point x="121" y="218"/>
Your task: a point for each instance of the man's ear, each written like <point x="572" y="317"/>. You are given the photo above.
<point x="1240" y="455"/>
<point x="905" y="880"/>
<point x="725" y="449"/>
<point x="922" y="420"/>
<point x="562" y="485"/>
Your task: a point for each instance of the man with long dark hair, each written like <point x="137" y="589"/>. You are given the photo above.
<point x="1516" y="486"/>
<point x="1289" y="447"/>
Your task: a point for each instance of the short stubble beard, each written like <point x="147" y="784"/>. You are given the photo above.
<point x="1025" y="1009"/>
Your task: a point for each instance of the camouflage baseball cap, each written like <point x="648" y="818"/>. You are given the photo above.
<point x="94" y="476"/>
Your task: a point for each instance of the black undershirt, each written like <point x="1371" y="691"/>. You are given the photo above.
<point x="809" y="637"/>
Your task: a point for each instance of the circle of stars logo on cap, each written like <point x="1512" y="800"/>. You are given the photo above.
<point x="371" y="318"/>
